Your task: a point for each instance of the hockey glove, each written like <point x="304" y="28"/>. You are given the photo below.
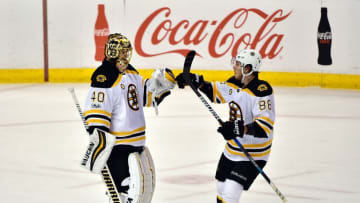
<point x="196" y="80"/>
<point x="231" y="129"/>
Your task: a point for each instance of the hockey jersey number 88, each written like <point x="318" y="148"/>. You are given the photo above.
<point x="255" y="104"/>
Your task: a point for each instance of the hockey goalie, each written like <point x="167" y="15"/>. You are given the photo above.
<point x="116" y="124"/>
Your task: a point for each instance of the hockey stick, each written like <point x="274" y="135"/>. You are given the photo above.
<point x="114" y="195"/>
<point x="186" y="71"/>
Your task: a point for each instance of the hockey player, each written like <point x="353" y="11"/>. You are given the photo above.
<point x="114" y="106"/>
<point x="251" y="121"/>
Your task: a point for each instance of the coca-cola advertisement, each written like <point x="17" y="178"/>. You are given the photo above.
<point x="101" y="32"/>
<point x="289" y="34"/>
<point x="324" y="39"/>
<point x="165" y="34"/>
<point x="226" y="35"/>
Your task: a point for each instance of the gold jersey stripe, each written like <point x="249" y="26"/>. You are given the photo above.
<point x="251" y="153"/>
<point x="220" y="198"/>
<point x="97" y="121"/>
<point x="129" y="132"/>
<point x="232" y="85"/>
<point x="216" y="93"/>
<point x="131" y="72"/>
<point x="97" y="111"/>
<point x="170" y="78"/>
<point x="117" y="80"/>
<point x="268" y="120"/>
<point x="135" y="139"/>
<point x="248" y="91"/>
<point x="265" y="128"/>
<point x="221" y="98"/>
<point x="260" y="145"/>
<point x="149" y="98"/>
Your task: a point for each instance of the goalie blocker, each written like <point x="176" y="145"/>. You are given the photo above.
<point x="98" y="151"/>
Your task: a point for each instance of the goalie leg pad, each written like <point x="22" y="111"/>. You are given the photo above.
<point x="149" y="172"/>
<point x="136" y="184"/>
<point x="142" y="177"/>
<point x="98" y="151"/>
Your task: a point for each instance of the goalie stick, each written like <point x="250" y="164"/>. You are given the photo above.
<point x="186" y="71"/>
<point x="109" y="182"/>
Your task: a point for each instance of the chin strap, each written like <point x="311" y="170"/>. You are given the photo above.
<point x="244" y="75"/>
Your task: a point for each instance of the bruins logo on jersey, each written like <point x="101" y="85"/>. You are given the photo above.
<point x="235" y="111"/>
<point x="100" y="78"/>
<point x="262" y="87"/>
<point x="132" y="97"/>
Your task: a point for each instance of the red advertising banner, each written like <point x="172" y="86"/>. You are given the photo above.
<point x="178" y="32"/>
<point x="101" y="33"/>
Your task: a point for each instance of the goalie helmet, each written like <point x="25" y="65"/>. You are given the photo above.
<point x="248" y="57"/>
<point x="118" y="48"/>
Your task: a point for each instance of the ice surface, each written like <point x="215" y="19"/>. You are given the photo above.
<point x="314" y="158"/>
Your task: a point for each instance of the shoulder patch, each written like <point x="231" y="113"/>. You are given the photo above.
<point x="104" y="76"/>
<point x="260" y="88"/>
<point x="100" y="78"/>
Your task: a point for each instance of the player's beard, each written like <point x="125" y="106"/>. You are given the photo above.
<point x="237" y="73"/>
<point x="121" y="67"/>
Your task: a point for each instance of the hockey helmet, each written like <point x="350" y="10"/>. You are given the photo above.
<point x="248" y="57"/>
<point x="118" y="48"/>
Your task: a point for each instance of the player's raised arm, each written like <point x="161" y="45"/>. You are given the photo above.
<point x="158" y="87"/>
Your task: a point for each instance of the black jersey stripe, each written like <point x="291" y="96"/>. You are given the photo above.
<point x="265" y="123"/>
<point x="249" y="150"/>
<point x="145" y="93"/>
<point x="130" y="136"/>
<point x="93" y="127"/>
<point x="98" y="116"/>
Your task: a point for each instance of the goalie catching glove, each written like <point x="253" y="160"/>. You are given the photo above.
<point x="160" y="84"/>
<point x="162" y="80"/>
<point x="231" y="129"/>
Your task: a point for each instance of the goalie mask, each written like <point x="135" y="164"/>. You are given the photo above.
<point x="118" y="48"/>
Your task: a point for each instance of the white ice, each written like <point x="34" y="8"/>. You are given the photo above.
<point x="314" y="158"/>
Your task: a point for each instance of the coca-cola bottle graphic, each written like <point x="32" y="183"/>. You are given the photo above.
<point x="101" y="33"/>
<point x="324" y="38"/>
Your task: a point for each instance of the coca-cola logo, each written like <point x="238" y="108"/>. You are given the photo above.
<point x="219" y="40"/>
<point x="102" y="32"/>
<point x="324" y="37"/>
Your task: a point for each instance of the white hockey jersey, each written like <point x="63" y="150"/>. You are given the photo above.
<point x="256" y="104"/>
<point x="115" y="104"/>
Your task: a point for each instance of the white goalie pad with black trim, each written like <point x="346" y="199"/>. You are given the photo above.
<point x="149" y="171"/>
<point x="142" y="177"/>
<point x="98" y="151"/>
